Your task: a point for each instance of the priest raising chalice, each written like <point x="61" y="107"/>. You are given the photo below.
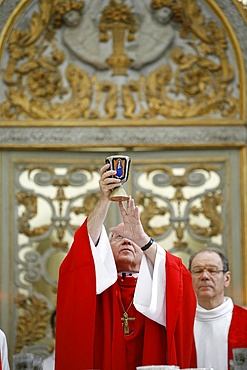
<point x="123" y="300"/>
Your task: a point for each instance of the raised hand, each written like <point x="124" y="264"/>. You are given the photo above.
<point x="131" y="227"/>
<point x="107" y="181"/>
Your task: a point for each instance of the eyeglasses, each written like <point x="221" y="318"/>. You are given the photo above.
<point x="212" y="271"/>
<point x="116" y="237"/>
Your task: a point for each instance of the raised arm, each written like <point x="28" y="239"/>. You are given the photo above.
<point x="99" y="213"/>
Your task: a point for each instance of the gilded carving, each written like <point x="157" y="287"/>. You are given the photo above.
<point x="188" y="74"/>
<point x="118" y="18"/>
<point x="45" y="176"/>
<point x="150" y="210"/>
<point x="243" y="3"/>
<point x="29" y="201"/>
<point x="210" y="204"/>
<point x="33" y="320"/>
<point x="89" y="203"/>
<point x="179" y="211"/>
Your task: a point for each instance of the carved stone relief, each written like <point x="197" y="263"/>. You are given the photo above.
<point x="154" y="61"/>
<point x="120" y="137"/>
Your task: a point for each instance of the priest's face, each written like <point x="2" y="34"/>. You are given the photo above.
<point x="127" y="254"/>
<point x="208" y="278"/>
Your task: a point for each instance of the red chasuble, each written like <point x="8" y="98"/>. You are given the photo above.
<point x="89" y="327"/>
<point x="237" y="336"/>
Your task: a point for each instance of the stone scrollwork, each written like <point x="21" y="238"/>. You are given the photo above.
<point x="58" y="68"/>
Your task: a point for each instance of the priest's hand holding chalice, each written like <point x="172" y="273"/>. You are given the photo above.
<point x="120" y="164"/>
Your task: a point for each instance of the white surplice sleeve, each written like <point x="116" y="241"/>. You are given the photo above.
<point x="105" y="266"/>
<point x="4" y="351"/>
<point x="150" y="293"/>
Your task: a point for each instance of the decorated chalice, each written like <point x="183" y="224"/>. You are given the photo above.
<point x="119" y="163"/>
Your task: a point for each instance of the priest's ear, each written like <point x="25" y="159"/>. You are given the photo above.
<point x="227" y="277"/>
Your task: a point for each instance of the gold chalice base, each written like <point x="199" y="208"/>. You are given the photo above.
<point x="119" y="195"/>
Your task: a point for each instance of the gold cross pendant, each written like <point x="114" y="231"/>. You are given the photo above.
<point x="126" y="320"/>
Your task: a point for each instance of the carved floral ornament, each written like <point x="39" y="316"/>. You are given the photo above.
<point x="152" y="62"/>
<point x="34" y="319"/>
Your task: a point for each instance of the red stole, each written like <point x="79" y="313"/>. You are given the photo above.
<point x="89" y="331"/>
<point x="0" y="362"/>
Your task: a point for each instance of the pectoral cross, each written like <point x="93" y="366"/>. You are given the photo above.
<point x="126" y="320"/>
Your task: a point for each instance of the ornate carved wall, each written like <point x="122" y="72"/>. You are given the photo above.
<point x="150" y="63"/>
<point x="164" y="81"/>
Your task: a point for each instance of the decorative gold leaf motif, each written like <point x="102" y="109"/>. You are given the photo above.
<point x="209" y="208"/>
<point x="117" y="13"/>
<point x="89" y="203"/>
<point x="195" y="79"/>
<point x="151" y="210"/>
<point x="33" y="320"/>
<point x="207" y="205"/>
<point x="29" y="201"/>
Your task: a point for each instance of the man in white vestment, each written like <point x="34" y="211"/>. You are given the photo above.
<point x="220" y="325"/>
